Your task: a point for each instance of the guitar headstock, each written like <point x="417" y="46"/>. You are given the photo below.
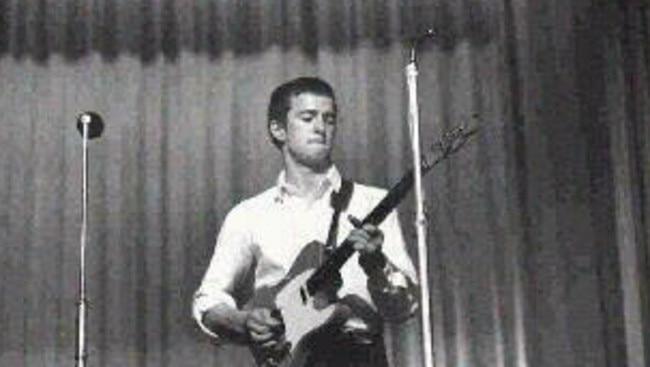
<point x="450" y="142"/>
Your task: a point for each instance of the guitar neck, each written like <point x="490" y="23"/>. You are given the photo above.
<point x="343" y="252"/>
<point x="451" y="143"/>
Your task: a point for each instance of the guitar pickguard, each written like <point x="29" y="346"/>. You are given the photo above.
<point x="303" y="314"/>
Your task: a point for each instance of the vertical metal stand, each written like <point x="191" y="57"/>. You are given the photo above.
<point x="81" y="355"/>
<point x="420" y="219"/>
<point x="90" y="125"/>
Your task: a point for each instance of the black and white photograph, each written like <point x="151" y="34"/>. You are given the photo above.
<point x="325" y="183"/>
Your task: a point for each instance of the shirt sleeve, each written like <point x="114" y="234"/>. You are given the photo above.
<point x="394" y="289"/>
<point x="230" y="262"/>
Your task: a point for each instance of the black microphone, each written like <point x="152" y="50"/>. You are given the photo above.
<point x="94" y="122"/>
<point x="415" y="42"/>
<point x="429" y="33"/>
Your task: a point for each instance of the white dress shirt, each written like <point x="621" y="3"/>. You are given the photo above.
<point x="261" y="237"/>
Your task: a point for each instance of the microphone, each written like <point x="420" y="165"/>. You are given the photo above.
<point x="93" y="121"/>
<point x="415" y="42"/>
<point x="417" y="39"/>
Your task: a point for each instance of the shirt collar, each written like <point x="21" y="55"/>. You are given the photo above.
<point x="332" y="181"/>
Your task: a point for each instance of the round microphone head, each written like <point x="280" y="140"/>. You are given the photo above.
<point x="93" y="121"/>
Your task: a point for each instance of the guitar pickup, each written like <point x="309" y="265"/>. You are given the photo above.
<point x="303" y="295"/>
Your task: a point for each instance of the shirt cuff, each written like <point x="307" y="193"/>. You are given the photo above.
<point x="393" y="293"/>
<point x="203" y="302"/>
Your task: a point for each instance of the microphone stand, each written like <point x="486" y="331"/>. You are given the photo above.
<point x="81" y="355"/>
<point x="420" y="218"/>
<point x="90" y="126"/>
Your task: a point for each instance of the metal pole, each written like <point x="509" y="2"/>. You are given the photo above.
<point x="420" y="219"/>
<point x="81" y="355"/>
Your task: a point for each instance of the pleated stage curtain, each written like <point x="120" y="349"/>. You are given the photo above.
<point x="537" y="230"/>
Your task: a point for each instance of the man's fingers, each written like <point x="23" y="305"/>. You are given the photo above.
<point x="257" y="326"/>
<point x="264" y="317"/>
<point x="262" y="337"/>
<point x="366" y="240"/>
<point x="269" y="344"/>
<point x="367" y="248"/>
<point x="263" y="326"/>
<point x="372" y="230"/>
<point x="359" y="235"/>
<point x="368" y="229"/>
<point x="355" y="221"/>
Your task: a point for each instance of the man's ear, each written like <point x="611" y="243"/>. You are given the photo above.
<point x="277" y="130"/>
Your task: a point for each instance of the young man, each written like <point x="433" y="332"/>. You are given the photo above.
<point x="261" y="238"/>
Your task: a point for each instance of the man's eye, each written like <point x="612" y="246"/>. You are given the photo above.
<point x="307" y="118"/>
<point x="330" y="120"/>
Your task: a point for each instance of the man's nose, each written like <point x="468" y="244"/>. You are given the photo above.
<point x="319" y="123"/>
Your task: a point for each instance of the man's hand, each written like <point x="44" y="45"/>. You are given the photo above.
<point x="367" y="238"/>
<point x="264" y="329"/>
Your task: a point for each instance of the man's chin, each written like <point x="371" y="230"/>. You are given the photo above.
<point x="316" y="159"/>
<point x="318" y="162"/>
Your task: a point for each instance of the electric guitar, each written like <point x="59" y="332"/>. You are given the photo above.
<point x="301" y="299"/>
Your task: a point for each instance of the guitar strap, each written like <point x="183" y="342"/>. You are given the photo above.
<point x="339" y="202"/>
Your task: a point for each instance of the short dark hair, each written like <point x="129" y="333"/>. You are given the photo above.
<point x="280" y="101"/>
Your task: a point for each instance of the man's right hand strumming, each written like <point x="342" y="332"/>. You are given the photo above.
<point x="265" y="334"/>
<point x="264" y="329"/>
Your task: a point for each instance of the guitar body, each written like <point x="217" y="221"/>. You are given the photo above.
<point x="303" y="315"/>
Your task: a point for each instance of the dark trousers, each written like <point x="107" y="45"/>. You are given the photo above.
<point x="332" y="350"/>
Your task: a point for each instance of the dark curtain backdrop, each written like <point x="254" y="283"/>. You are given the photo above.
<point x="538" y="230"/>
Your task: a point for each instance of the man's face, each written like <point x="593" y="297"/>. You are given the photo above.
<point x="309" y="131"/>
